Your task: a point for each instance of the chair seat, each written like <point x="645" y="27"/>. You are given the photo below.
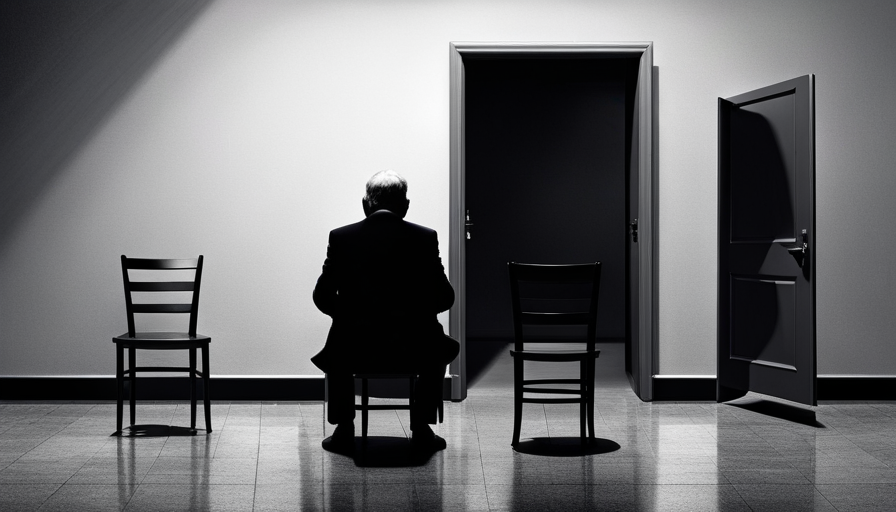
<point x="559" y="355"/>
<point x="162" y="340"/>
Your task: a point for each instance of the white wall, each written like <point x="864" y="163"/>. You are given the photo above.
<point x="253" y="133"/>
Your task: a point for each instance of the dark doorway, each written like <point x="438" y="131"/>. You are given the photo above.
<point x="552" y="161"/>
<point x="546" y="183"/>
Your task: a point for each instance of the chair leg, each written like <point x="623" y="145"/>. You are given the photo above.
<point x="365" y="403"/>
<point x="119" y="383"/>
<point x="441" y="407"/>
<point x="591" y="399"/>
<point x="412" y="399"/>
<point x="193" y="388"/>
<point x="206" y="372"/>
<point x="132" y="364"/>
<point x="324" y="413"/>
<point x="583" y="405"/>
<point x="517" y="399"/>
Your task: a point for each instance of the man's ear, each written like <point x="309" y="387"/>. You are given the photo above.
<point x="404" y="210"/>
<point x="366" y="207"/>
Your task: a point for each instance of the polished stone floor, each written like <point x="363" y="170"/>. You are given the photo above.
<point x="753" y="454"/>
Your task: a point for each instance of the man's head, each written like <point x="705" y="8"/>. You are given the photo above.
<point x="386" y="190"/>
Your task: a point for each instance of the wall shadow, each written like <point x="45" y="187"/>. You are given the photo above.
<point x="66" y="67"/>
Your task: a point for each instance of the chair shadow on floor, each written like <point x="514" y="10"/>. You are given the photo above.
<point x="157" y="431"/>
<point x="386" y="452"/>
<point x="565" y="446"/>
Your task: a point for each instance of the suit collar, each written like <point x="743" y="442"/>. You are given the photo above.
<point x="383" y="215"/>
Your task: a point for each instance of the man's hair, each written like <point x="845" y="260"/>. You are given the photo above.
<point x="386" y="190"/>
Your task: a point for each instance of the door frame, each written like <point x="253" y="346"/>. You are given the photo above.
<point x="648" y="232"/>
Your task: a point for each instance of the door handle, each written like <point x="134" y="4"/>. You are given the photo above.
<point x="467" y="224"/>
<point x="799" y="250"/>
<point x="633" y="227"/>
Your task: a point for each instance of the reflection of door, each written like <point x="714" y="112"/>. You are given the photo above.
<point x="639" y="170"/>
<point x="766" y="338"/>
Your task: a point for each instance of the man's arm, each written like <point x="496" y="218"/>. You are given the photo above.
<point x="443" y="292"/>
<point x="326" y="292"/>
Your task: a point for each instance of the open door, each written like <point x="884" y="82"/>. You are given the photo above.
<point x="766" y="328"/>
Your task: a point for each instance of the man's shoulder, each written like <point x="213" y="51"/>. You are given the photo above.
<point x="418" y="228"/>
<point x="381" y="224"/>
<point x="348" y="228"/>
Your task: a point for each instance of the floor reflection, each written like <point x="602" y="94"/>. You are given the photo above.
<point x="756" y="454"/>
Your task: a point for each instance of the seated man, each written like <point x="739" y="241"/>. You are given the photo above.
<point x="383" y="284"/>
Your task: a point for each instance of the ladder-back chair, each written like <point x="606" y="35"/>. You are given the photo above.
<point x="161" y="278"/>
<point x="545" y="298"/>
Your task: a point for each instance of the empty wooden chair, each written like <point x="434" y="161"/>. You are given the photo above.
<point x="164" y="278"/>
<point x="545" y="299"/>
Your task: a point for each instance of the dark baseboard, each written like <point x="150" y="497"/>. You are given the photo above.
<point x="856" y="388"/>
<point x="162" y="388"/>
<point x="829" y="387"/>
<point x="178" y="388"/>
<point x="684" y="389"/>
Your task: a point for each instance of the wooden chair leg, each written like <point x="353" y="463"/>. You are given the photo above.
<point x="412" y="397"/>
<point x="591" y="399"/>
<point x="324" y="413"/>
<point x="132" y="364"/>
<point x="517" y="399"/>
<point x="441" y="407"/>
<point x="583" y="405"/>
<point x="365" y="403"/>
<point x="119" y="383"/>
<point x="206" y="372"/>
<point x="193" y="388"/>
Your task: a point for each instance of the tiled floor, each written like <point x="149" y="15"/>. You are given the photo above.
<point x="758" y="454"/>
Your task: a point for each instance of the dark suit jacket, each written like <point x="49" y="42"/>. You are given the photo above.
<point x="383" y="284"/>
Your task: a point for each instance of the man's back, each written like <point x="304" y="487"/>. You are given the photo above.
<point x="383" y="282"/>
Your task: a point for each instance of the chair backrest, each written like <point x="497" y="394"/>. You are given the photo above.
<point x="557" y="295"/>
<point x="152" y="270"/>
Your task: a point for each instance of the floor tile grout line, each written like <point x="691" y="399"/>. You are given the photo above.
<point x="479" y="448"/>
<point x="257" y="454"/>
<point x="815" y="486"/>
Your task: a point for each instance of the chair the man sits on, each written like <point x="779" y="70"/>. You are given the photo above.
<point x="547" y="299"/>
<point x="365" y="407"/>
<point x="162" y="278"/>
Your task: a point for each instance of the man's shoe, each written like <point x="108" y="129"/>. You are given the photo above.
<point x="424" y="439"/>
<point x="342" y="440"/>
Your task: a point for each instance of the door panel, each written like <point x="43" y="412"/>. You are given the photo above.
<point x="762" y="165"/>
<point x="762" y="320"/>
<point x="766" y="338"/>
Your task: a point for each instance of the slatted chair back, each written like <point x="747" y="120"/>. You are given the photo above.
<point x="554" y="295"/>
<point x="172" y="270"/>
